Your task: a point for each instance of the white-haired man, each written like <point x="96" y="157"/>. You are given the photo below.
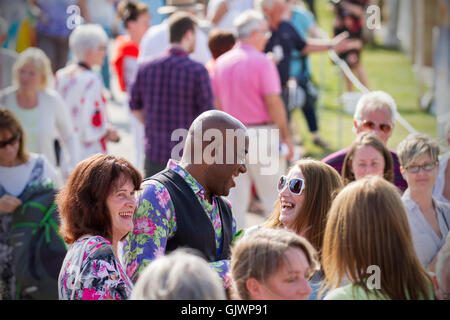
<point x="374" y="112"/>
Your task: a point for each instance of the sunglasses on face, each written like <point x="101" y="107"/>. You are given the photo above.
<point x="11" y="140"/>
<point x="425" y="167"/>
<point x="370" y="125"/>
<point x="295" y="185"/>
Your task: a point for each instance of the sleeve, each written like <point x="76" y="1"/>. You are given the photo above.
<point x="269" y="77"/>
<point x="93" y="126"/>
<point x="66" y="131"/>
<point x="101" y="278"/>
<point x="154" y="224"/>
<point x="203" y="91"/>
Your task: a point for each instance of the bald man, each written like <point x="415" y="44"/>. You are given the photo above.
<point x="182" y="206"/>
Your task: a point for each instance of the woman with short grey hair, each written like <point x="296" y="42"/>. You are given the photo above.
<point x="82" y="90"/>
<point x="429" y="218"/>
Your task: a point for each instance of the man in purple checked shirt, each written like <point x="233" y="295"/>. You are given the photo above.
<point x="169" y="92"/>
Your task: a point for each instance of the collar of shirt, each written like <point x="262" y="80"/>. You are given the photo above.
<point x="177" y="51"/>
<point x="195" y="186"/>
<point x="246" y="47"/>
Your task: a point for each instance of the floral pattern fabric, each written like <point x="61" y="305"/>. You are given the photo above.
<point x="91" y="271"/>
<point x="156" y="223"/>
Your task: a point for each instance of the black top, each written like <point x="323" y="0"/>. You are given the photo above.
<point x="194" y="229"/>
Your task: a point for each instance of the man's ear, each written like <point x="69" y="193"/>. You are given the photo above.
<point x="254" y="288"/>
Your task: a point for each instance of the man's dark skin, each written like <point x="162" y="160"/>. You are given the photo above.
<point x="216" y="178"/>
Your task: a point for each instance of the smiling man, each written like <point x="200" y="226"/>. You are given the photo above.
<point x="182" y="206"/>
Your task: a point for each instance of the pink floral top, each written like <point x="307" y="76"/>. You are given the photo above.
<point x="91" y="271"/>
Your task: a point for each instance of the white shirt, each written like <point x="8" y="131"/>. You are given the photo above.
<point x="48" y="121"/>
<point x="439" y="185"/>
<point x="15" y="179"/>
<point x="156" y="41"/>
<point x="426" y="242"/>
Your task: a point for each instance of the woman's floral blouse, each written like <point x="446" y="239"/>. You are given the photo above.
<point x="156" y="223"/>
<point x="92" y="269"/>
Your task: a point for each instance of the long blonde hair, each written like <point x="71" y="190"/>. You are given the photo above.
<point x="322" y="183"/>
<point x="367" y="225"/>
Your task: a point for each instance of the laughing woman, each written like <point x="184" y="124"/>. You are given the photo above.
<point x="96" y="210"/>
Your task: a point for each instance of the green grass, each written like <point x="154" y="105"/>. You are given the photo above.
<point x="388" y="70"/>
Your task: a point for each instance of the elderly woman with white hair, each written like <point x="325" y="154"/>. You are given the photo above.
<point x="82" y="89"/>
<point x="428" y="217"/>
<point x="41" y="111"/>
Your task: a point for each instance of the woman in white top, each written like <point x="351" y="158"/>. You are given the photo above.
<point x="41" y="111"/>
<point x="18" y="170"/>
<point x="82" y="90"/>
<point x="429" y="218"/>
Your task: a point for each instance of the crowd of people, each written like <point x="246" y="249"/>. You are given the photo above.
<point x="365" y="222"/>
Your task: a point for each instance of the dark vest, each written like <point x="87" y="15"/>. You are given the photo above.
<point x="194" y="229"/>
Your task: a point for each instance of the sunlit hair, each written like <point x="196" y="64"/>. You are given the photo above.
<point x="416" y="145"/>
<point x="37" y="58"/>
<point x="86" y="37"/>
<point x="180" y="275"/>
<point x="82" y="201"/>
<point x="375" y="100"/>
<point x="10" y="123"/>
<point x="365" y="139"/>
<point x="263" y="253"/>
<point x="368" y="225"/>
<point x="322" y="183"/>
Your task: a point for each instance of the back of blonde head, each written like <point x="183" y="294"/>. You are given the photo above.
<point x="367" y="225"/>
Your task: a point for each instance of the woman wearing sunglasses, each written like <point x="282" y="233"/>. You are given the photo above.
<point x="18" y="170"/>
<point x="367" y="155"/>
<point x="304" y="197"/>
<point x="429" y="218"/>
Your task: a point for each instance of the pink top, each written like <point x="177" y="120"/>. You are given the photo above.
<point x="242" y="77"/>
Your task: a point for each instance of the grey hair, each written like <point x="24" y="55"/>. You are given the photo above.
<point x="415" y="145"/>
<point x="180" y="275"/>
<point x="375" y="100"/>
<point x="86" y="37"/>
<point x="443" y="268"/>
<point x="247" y="22"/>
